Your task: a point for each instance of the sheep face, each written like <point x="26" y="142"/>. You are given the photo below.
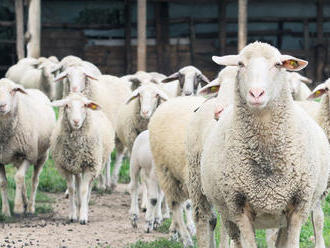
<point x="76" y="78"/>
<point x="190" y="79"/>
<point x="149" y="98"/>
<point x="8" y="96"/>
<point x="47" y="70"/>
<point x="261" y="74"/>
<point x="320" y="90"/>
<point x="75" y="109"/>
<point x="295" y="79"/>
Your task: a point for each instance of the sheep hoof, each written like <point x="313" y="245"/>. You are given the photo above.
<point x="113" y="187"/>
<point x="148" y="227"/>
<point x="144" y="210"/>
<point x="157" y="223"/>
<point x="188" y="243"/>
<point x="73" y="220"/>
<point x="175" y="236"/>
<point x="83" y="222"/>
<point x="134" y="219"/>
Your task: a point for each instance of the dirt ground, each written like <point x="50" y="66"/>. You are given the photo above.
<point x="108" y="225"/>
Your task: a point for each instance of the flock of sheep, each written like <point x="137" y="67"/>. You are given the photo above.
<point x="255" y="150"/>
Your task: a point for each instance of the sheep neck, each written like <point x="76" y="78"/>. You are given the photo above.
<point x="324" y="115"/>
<point x="9" y="123"/>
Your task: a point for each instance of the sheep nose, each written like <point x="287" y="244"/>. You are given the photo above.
<point x="75" y="89"/>
<point x="256" y="92"/>
<point x="76" y="122"/>
<point x="188" y="93"/>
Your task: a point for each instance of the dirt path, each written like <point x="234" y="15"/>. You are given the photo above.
<point x="109" y="226"/>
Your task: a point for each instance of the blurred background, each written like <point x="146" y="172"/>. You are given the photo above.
<point x="175" y="33"/>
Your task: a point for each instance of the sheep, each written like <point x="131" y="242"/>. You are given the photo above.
<point x="141" y="161"/>
<point x="26" y="123"/>
<point x="134" y="117"/>
<point x="109" y="91"/>
<point x="299" y="89"/>
<point x="81" y="143"/>
<point x="263" y="163"/>
<point x="34" y="74"/>
<point x="190" y="79"/>
<point x="167" y="148"/>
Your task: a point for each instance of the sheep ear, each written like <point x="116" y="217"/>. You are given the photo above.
<point x="305" y="80"/>
<point x="60" y="103"/>
<point x="134" y="95"/>
<point x="174" y="76"/>
<point x="162" y="95"/>
<point x="318" y="91"/>
<point x="93" y="106"/>
<point x="19" y="89"/>
<point x="61" y="76"/>
<point x="210" y="88"/>
<point x="291" y="63"/>
<point x="90" y="76"/>
<point x="57" y="68"/>
<point x="207" y="99"/>
<point x="135" y="83"/>
<point x="226" y="60"/>
<point x="203" y="80"/>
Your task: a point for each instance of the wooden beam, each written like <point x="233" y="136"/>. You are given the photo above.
<point x="192" y="33"/>
<point x="320" y="56"/>
<point x="307" y="46"/>
<point x="19" y="12"/>
<point x="222" y="26"/>
<point x="128" y="52"/>
<point x="34" y="29"/>
<point x="242" y="23"/>
<point x="162" y="37"/>
<point x="280" y="35"/>
<point x="142" y="35"/>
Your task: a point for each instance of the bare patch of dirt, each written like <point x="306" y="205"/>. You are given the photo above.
<point x="108" y="225"/>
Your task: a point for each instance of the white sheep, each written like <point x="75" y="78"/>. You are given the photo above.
<point x="190" y="80"/>
<point x="26" y="123"/>
<point x="81" y="143"/>
<point x="168" y="150"/>
<point x="141" y="161"/>
<point x="109" y="91"/>
<point x="263" y="164"/>
<point x="34" y="74"/>
<point x="134" y="117"/>
<point x="299" y="89"/>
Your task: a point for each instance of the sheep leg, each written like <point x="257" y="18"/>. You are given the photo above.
<point x="180" y="225"/>
<point x="77" y="179"/>
<point x="71" y="189"/>
<point x="247" y="231"/>
<point x="144" y="192"/>
<point x="107" y="174"/>
<point x="116" y="170"/>
<point x="318" y="222"/>
<point x="190" y="223"/>
<point x="224" y="237"/>
<point x="4" y="193"/>
<point x="282" y="237"/>
<point x="158" y="210"/>
<point x="133" y="188"/>
<point x="101" y="182"/>
<point x="19" y="180"/>
<point x="152" y="192"/>
<point x="271" y="235"/>
<point x="86" y="181"/>
<point x="294" y="227"/>
<point x="35" y="182"/>
<point x="167" y="213"/>
<point x="24" y="195"/>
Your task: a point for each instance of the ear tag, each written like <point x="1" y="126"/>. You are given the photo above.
<point x="93" y="106"/>
<point x="317" y="93"/>
<point x="292" y="64"/>
<point x="214" y="89"/>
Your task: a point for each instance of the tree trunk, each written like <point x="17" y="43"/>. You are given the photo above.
<point x="19" y="29"/>
<point x="242" y="23"/>
<point x="142" y="39"/>
<point x="34" y="30"/>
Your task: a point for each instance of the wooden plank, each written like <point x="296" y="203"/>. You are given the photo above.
<point x="192" y="40"/>
<point x="242" y="24"/>
<point x="128" y="52"/>
<point x="222" y="26"/>
<point x="307" y="47"/>
<point x="142" y="36"/>
<point x="19" y="13"/>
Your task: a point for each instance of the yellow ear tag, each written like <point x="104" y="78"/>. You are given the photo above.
<point x="214" y="88"/>
<point x="292" y="63"/>
<point x="318" y="92"/>
<point x="93" y="106"/>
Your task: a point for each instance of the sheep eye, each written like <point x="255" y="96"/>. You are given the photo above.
<point x="326" y="88"/>
<point x="240" y="64"/>
<point x="278" y="65"/>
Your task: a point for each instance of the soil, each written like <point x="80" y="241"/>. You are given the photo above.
<point x="108" y="226"/>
